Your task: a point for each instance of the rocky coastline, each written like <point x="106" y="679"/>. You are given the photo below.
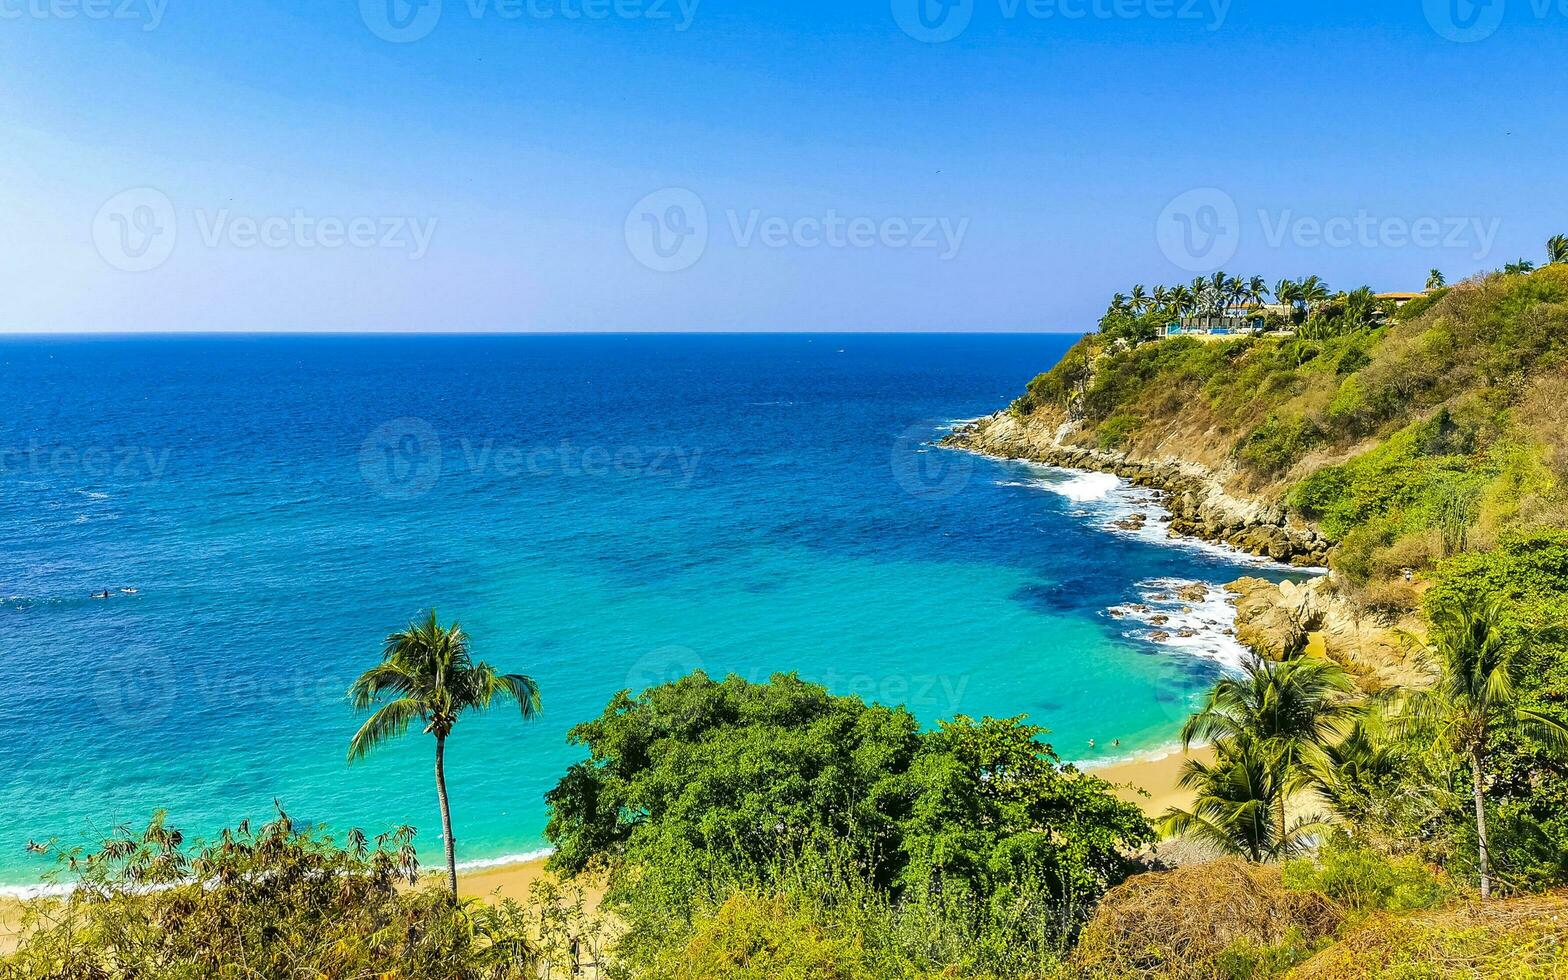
<point x="1197" y="499"/>
<point x="1272" y="619"/>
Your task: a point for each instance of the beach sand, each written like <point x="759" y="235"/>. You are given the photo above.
<point x="1156" y="777"/>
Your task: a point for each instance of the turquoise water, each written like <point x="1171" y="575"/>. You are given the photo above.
<point x="600" y="512"/>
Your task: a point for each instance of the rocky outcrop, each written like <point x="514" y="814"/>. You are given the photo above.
<point x="1199" y="504"/>
<point x="1278" y="620"/>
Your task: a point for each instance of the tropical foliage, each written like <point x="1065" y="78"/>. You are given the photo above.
<point x="697" y="790"/>
<point x="274" y="901"/>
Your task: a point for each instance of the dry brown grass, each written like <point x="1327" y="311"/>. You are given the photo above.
<point x="1523" y="939"/>
<point x="1178" y="924"/>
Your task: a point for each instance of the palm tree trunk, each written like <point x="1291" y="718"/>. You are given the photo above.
<point x="1480" y="825"/>
<point x="446" y="818"/>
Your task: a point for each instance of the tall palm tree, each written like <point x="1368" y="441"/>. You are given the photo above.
<point x="1476" y="694"/>
<point x="1288" y="710"/>
<point x="428" y="672"/>
<point x="1436" y="280"/>
<point x="1257" y="290"/>
<point x="1139" y="298"/>
<point x="1557" y="249"/>
<point x="1236" y="800"/>
<point x="1285" y="292"/>
<point x="1180" y="298"/>
<point x="1313" y="293"/>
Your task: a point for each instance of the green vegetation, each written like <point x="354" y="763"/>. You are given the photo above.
<point x="273" y="902"/>
<point x="698" y="791"/>
<point x="428" y="672"/>
<point x="1270" y="729"/>
<point x="1407" y="436"/>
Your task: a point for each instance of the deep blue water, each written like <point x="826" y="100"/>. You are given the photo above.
<point x="600" y="512"/>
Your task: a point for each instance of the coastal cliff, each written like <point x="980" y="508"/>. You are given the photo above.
<point x="1200" y="504"/>
<point x="1271" y="619"/>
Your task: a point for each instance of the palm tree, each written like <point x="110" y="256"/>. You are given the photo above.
<point x="1476" y="694"/>
<point x="1236" y="800"/>
<point x="1352" y="768"/>
<point x="1436" y="280"/>
<point x="1140" y="298"/>
<point x="1286" y="292"/>
<point x="1520" y="268"/>
<point x="1289" y="710"/>
<point x="1180" y="298"/>
<point x="1313" y="293"/>
<point x="1557" y="250"/>
<point x="1256" y="291"/>
<point x="430" y="675"/>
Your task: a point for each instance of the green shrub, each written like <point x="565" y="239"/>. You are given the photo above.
<point x="273" y="902"/>
<point x="1114" y="432"/>
<point x="1364" y="880"/>
<point x="1278" y="444"/>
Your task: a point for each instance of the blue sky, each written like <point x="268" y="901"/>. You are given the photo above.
<point x="563" y="165"/>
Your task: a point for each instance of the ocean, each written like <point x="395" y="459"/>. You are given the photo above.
<point x="600" y="512"/>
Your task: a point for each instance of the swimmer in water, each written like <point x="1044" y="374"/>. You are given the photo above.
<point x="1091" y="743"/>
<point x="101" y="595"/>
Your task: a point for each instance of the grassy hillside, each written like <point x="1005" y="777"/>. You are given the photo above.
<point x="1440" y="431"/>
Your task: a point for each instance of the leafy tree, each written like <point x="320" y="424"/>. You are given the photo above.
<point x="274" y="901"/>
<point x="429" y="674"/>
<point x="1557" y="250"/>
<point x="695" y="789"/>
<point x="1476" y="695"/>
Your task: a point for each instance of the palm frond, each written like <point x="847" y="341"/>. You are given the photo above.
<point x="390" y="722"/>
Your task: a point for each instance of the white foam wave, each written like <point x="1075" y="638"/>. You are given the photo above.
<point x="1198" y="627"/>
<point x="506" y="860"/>
<point x="1085" y="487"/>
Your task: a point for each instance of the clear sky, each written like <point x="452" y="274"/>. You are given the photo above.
<point x="565" y="165"/>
